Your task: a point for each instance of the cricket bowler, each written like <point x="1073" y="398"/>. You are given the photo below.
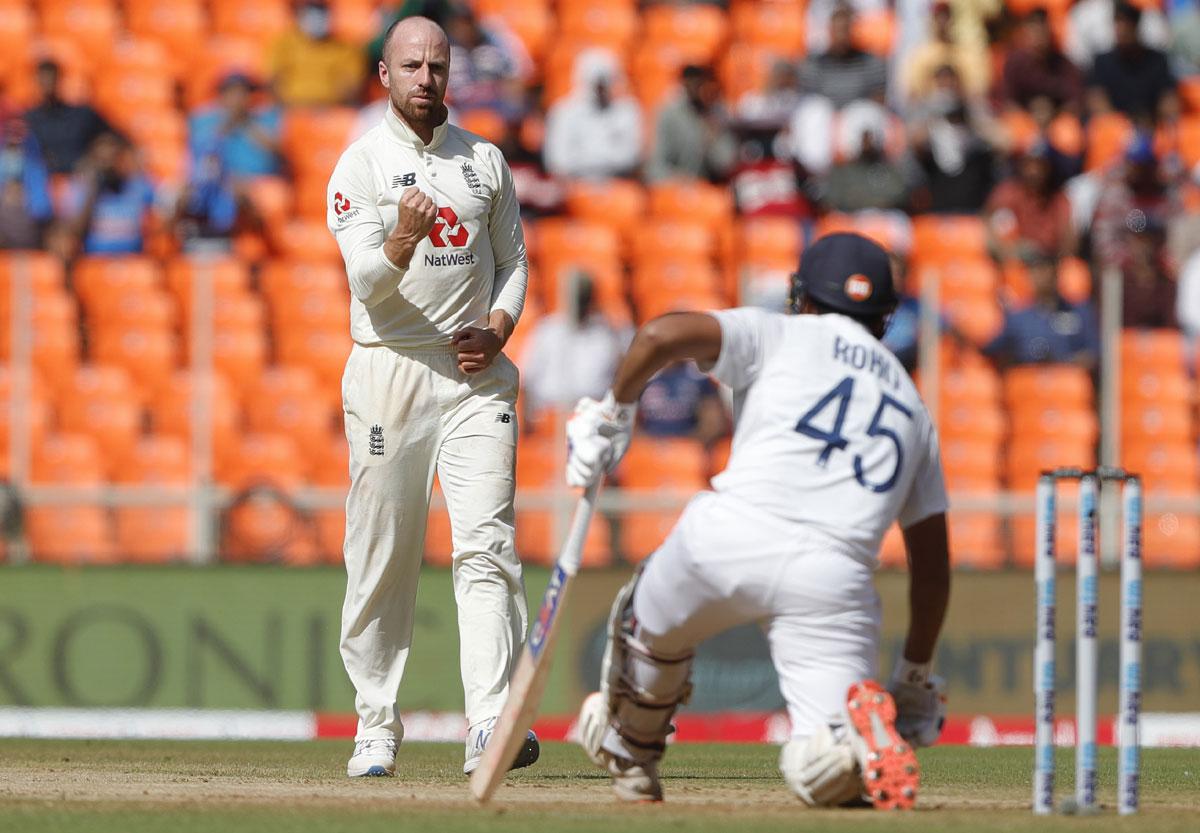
<point x="427" y="221"/>
<point x="832" y="445"/>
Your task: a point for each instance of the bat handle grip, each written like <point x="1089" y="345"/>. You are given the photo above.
<point x="572" y="551"/>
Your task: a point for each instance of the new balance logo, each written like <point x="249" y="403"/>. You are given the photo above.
<point x="375" y="444"/>
<point x="404" y="180"/>
<point x="505" y="418"/>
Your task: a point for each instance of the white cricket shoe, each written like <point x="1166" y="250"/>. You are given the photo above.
<point x="375" y="757"/>
<point x="477" y="740"/>
<point x="630" y="781"/>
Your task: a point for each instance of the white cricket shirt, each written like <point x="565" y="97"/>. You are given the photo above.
<point x="472" y="262"/>
<point x="829" y="429"/>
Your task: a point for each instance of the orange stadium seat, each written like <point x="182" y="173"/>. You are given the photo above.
<point x="661" y="281"/>
<point x="285" y="399"/>
<point x="982" y="420"/>
<point x="262" y="525"/>
<point x="1165" y="465"/>
<point x="272" y="198"/>
<point x="663" y="303"/>
<point x="1033" y="420"/>
<point x="1171" y="540"/>
<point x="694" y="201"/>
<point x="240" y="355"/>
<point x="98" y="279"/>
<point x="971" y="460"/>
<point x="150" y="355"/>
<point x="324" y="352"/>
<point x="72" y="532"/>
<point x="1108" y="134"/>
<point x="16" y="27"/>
<point x="227" y="275"/>
<point x="948" y="238"/>
<point x="618" y="203"/>
<point x="772" y="242"/>
<point x="238" y="311"/>
<point x="354" y="21"/>
<point x="700" y="30"/>
<point x="1026" y="459"/>
<point x="35" y="417"/>
<point x="672" y="239"/>
<point x="307" y="239"/>
<point x="529" y="20"/>
<point x="657" y="466"/>
<point x="327" y="309"/>
<point x="154" y="534"/>
<point x="772" y="27"/>
<point x="549" y="284"/>
<point x="91" y="25"/>
<point x="959" y="278"/>
<point x="744" y="68"/>
<point x="1189" y="136"/>
<point x="1156" y="422"/>
<point x="262" y="20"/>
<point x="610" y="25"/>
<point x="979" y="319"/>
<point x="1147" y="386"/>
<point x="1064" y="385"/>
<point x="970" y="385"/>
<point x="281" y="278"/>
<point x="223" y="54"/>
<point x="1163" y="351"/>
<point x="180" y="25"/>
<point x="875" y="31"/>
<point x="41" y="270"/>
<point x="539" y="467"/>
<point x="313" y="140"/>
<point x="143" y="309"/>
<point x="329" y="466"/>
<point x="171" y="406"/>
<point x="654" y="71"/>
<point x="975" y="540"/>
<point x="262" y="459"/>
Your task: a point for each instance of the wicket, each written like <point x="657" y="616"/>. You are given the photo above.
<point x="1086" y="645"/>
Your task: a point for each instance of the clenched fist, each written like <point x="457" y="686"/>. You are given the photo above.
<point x="415" y="214"/>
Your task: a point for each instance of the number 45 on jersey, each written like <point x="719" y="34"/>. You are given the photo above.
<point x="839" y="396"/>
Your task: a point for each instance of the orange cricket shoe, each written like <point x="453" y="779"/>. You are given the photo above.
<point x="890" y="771"/>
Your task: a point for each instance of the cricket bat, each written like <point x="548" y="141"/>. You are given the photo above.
<point x="529" y="680"/>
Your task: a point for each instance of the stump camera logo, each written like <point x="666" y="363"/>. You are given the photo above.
<point x="375" y="443"/>
<point x="449" y="233"/>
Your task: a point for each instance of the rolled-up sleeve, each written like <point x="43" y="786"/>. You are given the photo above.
<point x="353" y="217"/>
<point x="508" y="246"/>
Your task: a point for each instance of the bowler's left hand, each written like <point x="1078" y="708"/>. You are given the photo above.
<point x="477" y="348"/>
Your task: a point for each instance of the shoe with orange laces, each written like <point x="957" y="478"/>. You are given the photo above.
<point x="890" y="772"/>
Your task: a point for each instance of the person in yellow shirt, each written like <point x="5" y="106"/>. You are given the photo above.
<point x="310" y="67"/>
<point x="946" y="46"/>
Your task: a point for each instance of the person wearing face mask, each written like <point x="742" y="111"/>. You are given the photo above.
<point x="310" y="67"/>
<point x="109" y="199"/>
<point x="867" y="178"/>
<point x="596" y="131"/>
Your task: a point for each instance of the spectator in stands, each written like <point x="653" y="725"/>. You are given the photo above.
<point x="310" y="67"/>
<point x="538" y="193"/>
<point x="954" y="141"/>
<point x="241" y="137"/>
<point x="1050" y="330"/>
<point x="211" y="209"/>
<point x="488" y="66"/>
<point x="820" y="13"/>
<point x="1131" y="78"/>
<point x="596" y="131"/>
<point x="867" y="179"/>
<point x="1029" y="208"/>
<point x="64" y="132"/>
<point x="110" y="200"/>
<point x="1091" y="30"/>
<point x="692" y="138"/>
<point x="1036" y="70"/>
<point x="772" y="107"/>
<point x="570" y="354"/>
<point x="682" y="402"/>
<point x="843" y="73"/>
<point x="943" y="47"/>
<point x="1149" y="288"/>
<point x="25" y="208"/>
<point x="1185" y="37"/>
<point x="1134" y="195"/>
<point x="903" y="332"/>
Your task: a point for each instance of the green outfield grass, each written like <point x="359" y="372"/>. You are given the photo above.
<point x="187" y="787"/>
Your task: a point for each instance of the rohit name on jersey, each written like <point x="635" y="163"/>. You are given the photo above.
<point x="861" y="357"/>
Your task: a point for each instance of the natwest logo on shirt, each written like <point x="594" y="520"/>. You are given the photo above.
<point x="447" y="231"/>
<point x="341" y="204"/>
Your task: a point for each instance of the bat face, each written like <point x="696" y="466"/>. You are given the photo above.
<point x="549" y="609"/>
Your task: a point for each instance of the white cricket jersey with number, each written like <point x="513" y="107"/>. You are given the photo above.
<point x="830" y="431"/>
<point x="472" y="262"/>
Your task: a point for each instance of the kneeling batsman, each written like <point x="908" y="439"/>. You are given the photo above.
<point x="832" y="446"/>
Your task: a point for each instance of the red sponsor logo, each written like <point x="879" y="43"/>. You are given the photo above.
<point x="857" y="287"/>
<point x="447" y="230"/>
<point x="341" y="204"/>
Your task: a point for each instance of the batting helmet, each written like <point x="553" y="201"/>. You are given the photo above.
<point x="846" y="273"/>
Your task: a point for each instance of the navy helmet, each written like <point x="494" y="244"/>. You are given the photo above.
<point x="846" y="273"/>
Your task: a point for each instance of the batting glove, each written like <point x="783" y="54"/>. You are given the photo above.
<point x="598" y="436"/>
<point x="920" y="703"/>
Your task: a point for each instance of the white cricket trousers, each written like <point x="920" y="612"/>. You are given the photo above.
<point x="727" y="563"/>
<point x="409" y="414"/>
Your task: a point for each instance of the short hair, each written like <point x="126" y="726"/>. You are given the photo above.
<point x="1127" y="12"/>
<point x="696" y="72"/>
<point x="48" y="65"/>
